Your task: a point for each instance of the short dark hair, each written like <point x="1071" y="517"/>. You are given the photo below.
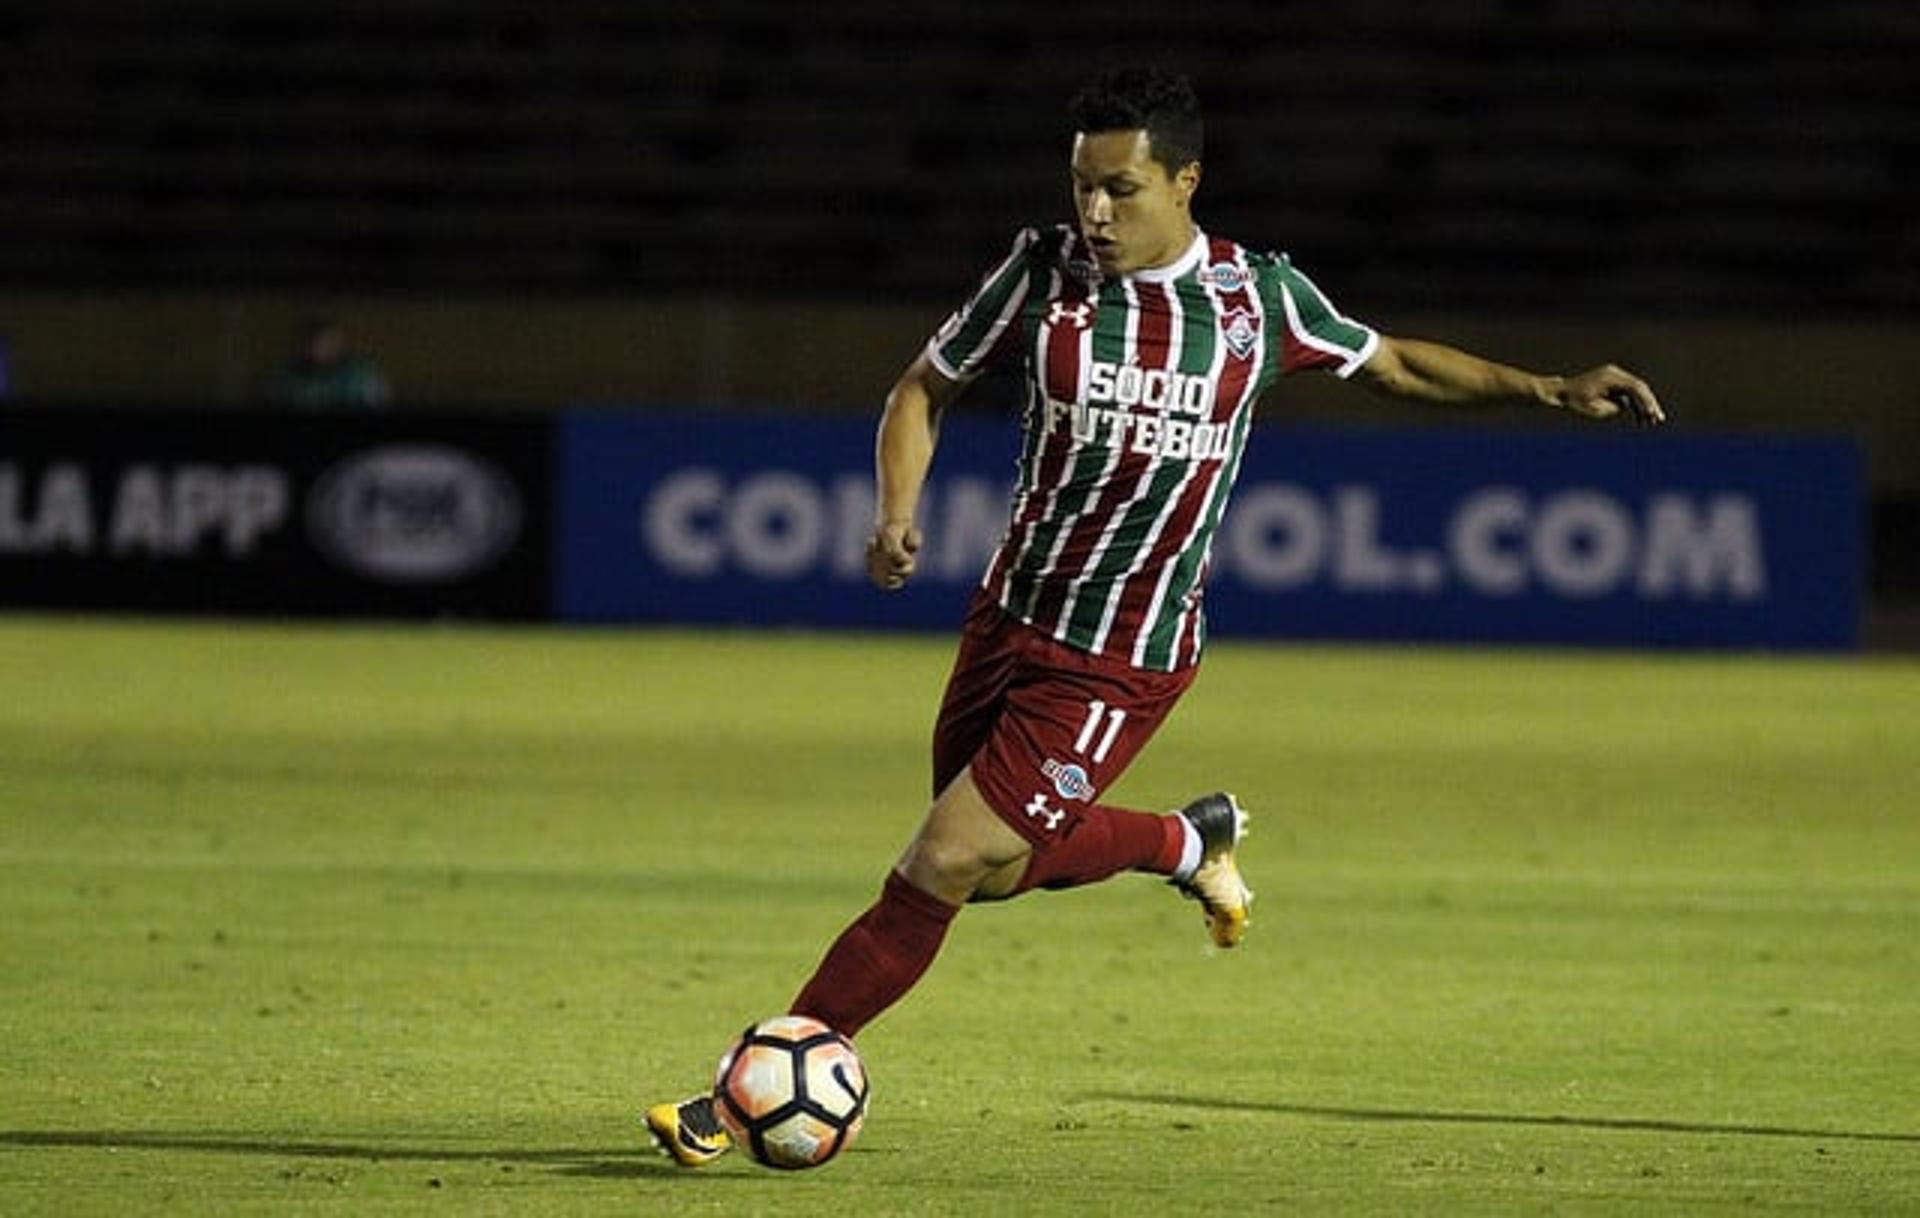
<point x="1134" y="98"/>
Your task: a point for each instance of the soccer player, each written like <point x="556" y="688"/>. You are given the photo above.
<point x="1144" y="342"/>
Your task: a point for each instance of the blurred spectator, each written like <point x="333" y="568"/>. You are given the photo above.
<point x="325" y="373"/>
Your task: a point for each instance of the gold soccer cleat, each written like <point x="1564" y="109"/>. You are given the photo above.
<point x="1216" y="882"/>
<point x="689" y="1131"/>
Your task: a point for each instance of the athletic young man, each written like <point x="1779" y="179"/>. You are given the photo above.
<point x="1144" y="343"/>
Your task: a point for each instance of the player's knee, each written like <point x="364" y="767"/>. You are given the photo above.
<point x="962" y="845"/>
<point x="949" y="869"/>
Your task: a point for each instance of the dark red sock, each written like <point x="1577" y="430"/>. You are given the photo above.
<point x="1105" y="842"/>
<point x="877" y="959"/>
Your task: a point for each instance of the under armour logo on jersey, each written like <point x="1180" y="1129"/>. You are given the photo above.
<point x="1037" y="809"/>
<point x="1242" y="330"/>
<point x="1079" y="315"/>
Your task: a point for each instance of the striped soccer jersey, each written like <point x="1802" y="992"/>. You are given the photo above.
<point x="1139" y="396"/>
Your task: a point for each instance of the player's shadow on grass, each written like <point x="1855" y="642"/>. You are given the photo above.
<point x="625" y="1163"/>
<point x="1425" y="1117"/>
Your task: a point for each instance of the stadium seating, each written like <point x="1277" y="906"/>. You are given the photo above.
<point x="1718" y="158"/>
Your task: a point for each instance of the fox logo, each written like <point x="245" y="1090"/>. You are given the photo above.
<point x="1079" y="314"/>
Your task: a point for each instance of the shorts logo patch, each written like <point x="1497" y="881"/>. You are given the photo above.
<point x="1037" y="809"/>
<point x="1068" y="779"/>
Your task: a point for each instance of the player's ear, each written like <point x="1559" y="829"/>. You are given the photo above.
<point x="1187" y="182"/>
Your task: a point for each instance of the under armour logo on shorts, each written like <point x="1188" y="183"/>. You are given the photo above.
<point x="1038" y="809"/>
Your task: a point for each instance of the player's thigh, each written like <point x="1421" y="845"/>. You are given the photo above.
<point x="983" y="667"/>
<point x="1069" y="729"/>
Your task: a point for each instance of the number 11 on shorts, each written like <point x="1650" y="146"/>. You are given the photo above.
<point x="1096" y="711"/>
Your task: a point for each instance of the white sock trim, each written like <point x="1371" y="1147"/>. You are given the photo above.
<point x="1189" y="852"/>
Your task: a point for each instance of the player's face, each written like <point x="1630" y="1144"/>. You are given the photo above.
<point x="1134" y="213"/>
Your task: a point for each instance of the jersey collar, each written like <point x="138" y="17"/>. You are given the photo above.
<point x="1185" y="264"/>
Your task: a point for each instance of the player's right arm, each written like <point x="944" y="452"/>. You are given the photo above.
<point x="903" y="452"/>
<point x="910" y="426"/>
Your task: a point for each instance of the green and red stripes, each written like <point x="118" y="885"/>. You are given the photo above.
<point x="970" y="336"/>
<point x="1140" y="395"/>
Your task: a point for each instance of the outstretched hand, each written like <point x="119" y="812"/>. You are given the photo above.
<point x="890" y="553"/>
<point x="1609" y="391"/>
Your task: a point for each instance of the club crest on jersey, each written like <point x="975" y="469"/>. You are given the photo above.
<point x="1225" y="276"/>
<point x="1079" y="315"/>
<point x="1242" y="331"/>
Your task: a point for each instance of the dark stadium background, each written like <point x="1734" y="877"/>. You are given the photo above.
<point x="746" y="203"/>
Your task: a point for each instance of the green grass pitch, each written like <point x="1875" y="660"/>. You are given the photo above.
<point x="362" y="920"/>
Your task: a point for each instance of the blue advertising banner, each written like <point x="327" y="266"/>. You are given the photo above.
<point x="1594" y="537"/>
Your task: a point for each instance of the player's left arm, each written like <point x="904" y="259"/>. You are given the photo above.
<point x="1434" y="372"/>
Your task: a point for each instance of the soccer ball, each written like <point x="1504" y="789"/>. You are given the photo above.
<point x="791" y="1091"/>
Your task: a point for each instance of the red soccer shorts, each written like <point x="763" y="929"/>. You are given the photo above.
<point x="1045" y="727"/>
